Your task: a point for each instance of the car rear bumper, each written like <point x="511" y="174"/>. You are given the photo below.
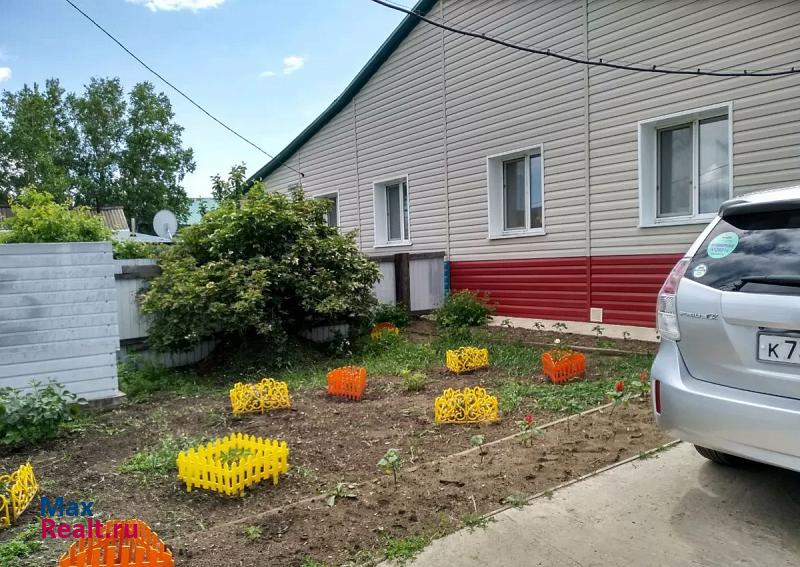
<point x="755" y="426"/>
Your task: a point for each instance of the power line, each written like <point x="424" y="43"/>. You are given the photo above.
<point x="176" y="89"/>
<point x="573" y="59"/>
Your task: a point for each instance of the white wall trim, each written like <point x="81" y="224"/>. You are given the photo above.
<point x="380" y="240"/>
<point x="648" y="158"/>
<point x="334" y="193"/>
<point x="494" y="184"/>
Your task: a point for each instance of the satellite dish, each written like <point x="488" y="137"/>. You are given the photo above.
<point x="165" y="224"/>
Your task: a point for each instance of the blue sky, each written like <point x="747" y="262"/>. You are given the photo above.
<point x="266" y="67"/>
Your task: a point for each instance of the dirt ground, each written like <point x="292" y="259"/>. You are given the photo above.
<point x="330" y="441"/>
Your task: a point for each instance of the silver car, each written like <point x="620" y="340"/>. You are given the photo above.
<point x="727" y="373"/>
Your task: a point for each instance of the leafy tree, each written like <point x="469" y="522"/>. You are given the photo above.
<point x="38" y="218"/>
<point x="95" y="148"/>
<point x="154" y="162"/>
<point x="37" y="141"/>
<point x="101" y="121"/>
<point x="271" y="266"/>
<point x="233" y="188"/>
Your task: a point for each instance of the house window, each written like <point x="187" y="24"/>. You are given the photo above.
<point x="332" y="214"/>
<point x="516" y="194"/>
<point x="391" y="213"/>
<point x="684" y="166"/>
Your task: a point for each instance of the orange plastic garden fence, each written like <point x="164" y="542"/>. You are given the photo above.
<point x="348" y="382"/>
<point x="564" y="368"/>
<point x="125" y="543"/>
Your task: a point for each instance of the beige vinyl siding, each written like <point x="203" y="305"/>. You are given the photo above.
<point x="400" y="131"/>
<point x="500" y="100"/>
<point x="283" y="178"/>
<point x="766" y="112"/>
<point x="442" y="103"/>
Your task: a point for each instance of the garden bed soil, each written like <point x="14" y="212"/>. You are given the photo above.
<point x="330" y="441"/>
<point x="424" y="329"/>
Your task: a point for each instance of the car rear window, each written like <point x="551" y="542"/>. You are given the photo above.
<point x="751" y="246"/>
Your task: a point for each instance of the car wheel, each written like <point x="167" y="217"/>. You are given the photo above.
<point x="721" y="458"/>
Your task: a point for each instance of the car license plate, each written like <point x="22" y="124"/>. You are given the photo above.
<point x="779" y="348"/>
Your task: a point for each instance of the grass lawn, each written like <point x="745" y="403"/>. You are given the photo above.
<point x="123" y="459"/>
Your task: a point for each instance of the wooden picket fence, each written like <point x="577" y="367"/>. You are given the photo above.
<point x="126" y="543"/>
<point x="233" y="463"/>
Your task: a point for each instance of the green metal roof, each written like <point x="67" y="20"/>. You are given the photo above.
<point x="386" y="49"/>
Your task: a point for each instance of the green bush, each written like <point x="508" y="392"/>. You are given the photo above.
<point x="270" y="267"/>
<point x="38" y="218"/>
<point x="463" y="309"/>
<point x="134" y="249"/>
<point x="139" y="377"/>
<point x="387" y="313"/>
<point x="29" y="418"/>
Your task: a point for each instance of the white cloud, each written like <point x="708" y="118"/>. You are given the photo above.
<point x="5" y="73"/>
<point x="173" y="5"/>
<point x="265" y="74"/>
<point x="292" y="64"/>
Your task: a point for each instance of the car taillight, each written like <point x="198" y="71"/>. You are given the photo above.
<point x="667" y="310"/>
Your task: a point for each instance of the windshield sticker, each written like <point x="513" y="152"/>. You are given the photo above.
<point x="700" y="270"/>
<point x="723" y="245"/>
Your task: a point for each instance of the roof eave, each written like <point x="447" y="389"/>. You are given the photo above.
<point x="379" y="58"/>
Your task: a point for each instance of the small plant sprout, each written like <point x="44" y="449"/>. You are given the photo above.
<point x="626" y="336"/>
<point x="539" y="326"/>
<point x="571" y="406"/>
<point x="506" y="324"/>
<point x="390" y="463"/>
<point x="478" y="441"/>
<point x="234" y="455"/>
<point x="413" y="381"/>
<point x="560" y="327"/>
<point x="341" y="490"/>
<point x="253" y="533"/>
<point x="598" y="330"/>
<point x="528" y="430"/>
<point x="515" y="500"/>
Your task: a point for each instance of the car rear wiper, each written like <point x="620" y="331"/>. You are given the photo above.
<point x="788" y="280"/>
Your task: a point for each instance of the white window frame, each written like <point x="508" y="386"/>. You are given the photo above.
<point x="496" y="194"/>
<point x="649" y="163"/>
<point x="379" y="213"/>
<point x="328" y="195"/>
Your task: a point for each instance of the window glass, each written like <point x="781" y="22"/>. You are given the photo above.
<point x="332" y="214"/>
<point x="514" y="194"/>
<point x="713" y="158"/>
<point x="675" y="171"/>
<point x="761" y="247"/>
<point x="536" y="191"/>
<point x="393" y="211"/>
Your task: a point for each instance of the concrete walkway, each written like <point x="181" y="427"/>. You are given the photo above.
<point x="673" y="509"/>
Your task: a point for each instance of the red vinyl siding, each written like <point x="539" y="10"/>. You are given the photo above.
<point x="625" y="287"/>
<point x="541" y="288"/>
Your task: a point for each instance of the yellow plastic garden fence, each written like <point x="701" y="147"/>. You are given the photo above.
<point x="233" y="463"/>
<point x="21" y="488"/>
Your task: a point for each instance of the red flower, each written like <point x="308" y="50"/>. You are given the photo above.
<point x="619" y="386"/>
<point x="529" y="419"/>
